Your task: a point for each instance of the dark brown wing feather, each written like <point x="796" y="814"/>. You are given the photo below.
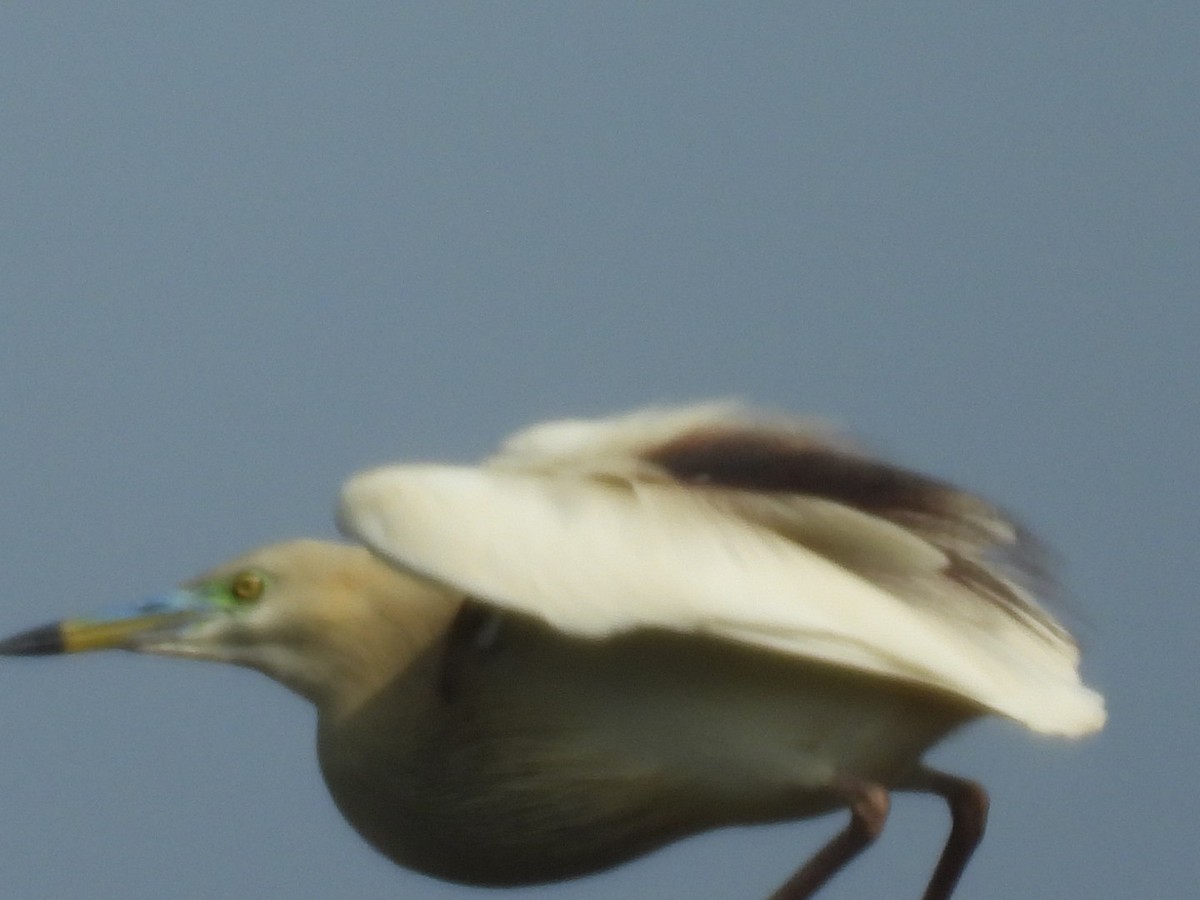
<point x="750" y="460"/>
<point x="986" y="551"/>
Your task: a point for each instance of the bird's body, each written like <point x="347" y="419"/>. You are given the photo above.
<point x="620" y="632"/>
<point x="521" y="755"/>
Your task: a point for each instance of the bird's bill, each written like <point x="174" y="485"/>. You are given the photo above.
<point x="152" y="619"/>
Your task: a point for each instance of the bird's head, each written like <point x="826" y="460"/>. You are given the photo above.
<point x="328" y="620"/>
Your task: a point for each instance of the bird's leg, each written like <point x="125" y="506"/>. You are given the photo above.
<point x="968" y="816"/>
<point x="868" y="811"/>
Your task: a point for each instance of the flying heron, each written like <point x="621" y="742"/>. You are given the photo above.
<point x="618" y="632"/>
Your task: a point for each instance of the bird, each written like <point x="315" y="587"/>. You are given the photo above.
<point x="618" y="632"/>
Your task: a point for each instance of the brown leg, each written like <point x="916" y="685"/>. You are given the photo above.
<point x="968" y="817"/>
<point x="868" y="811"/>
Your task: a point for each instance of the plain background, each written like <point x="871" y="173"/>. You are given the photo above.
<point x="247" y="249"/>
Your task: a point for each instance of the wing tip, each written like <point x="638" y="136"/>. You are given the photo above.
<point x="1076" y="713"/>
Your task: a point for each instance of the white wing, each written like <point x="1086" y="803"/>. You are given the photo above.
<point x="606" y="541"/>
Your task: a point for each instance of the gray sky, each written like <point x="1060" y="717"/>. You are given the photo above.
<point x="249" y="248"/>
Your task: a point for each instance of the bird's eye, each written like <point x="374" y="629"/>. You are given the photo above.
<point x="247" y="587"/>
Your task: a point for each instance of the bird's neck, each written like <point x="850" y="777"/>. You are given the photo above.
<point x="386" y="638"/>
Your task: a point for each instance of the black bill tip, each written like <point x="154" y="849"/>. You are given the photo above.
<point x="43" y="641"/>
